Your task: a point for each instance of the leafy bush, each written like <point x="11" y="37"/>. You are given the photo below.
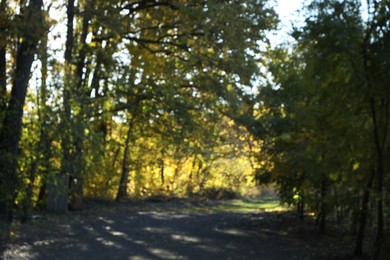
<point x="215" y="193"/>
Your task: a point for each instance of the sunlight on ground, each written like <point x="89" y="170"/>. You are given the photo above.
<point x="164" y="254"/>
<point x="185" y="238"/>
<point x="108" y="243"/>
<point x="23" y="251"/>
<point x="234" y="232"/>
<point x="253" y="205"/>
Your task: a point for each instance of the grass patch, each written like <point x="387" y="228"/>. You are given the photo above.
<point x="248" y="205"/>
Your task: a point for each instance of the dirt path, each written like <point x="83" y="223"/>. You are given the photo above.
<point x="155" y="234"/>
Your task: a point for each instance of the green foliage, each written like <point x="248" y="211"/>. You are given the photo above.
<point x="159" y="98"/>
<point x="165" y="74"/>
<point x="214" y="193"/>
<point x="322" y="108"/>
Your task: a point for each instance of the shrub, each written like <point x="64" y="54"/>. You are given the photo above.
<point x="214" y="193"/>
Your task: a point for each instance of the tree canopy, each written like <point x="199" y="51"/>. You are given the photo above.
<point x="132" y="99"/>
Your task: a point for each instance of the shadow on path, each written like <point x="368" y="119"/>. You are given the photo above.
<point x="155" y="235"/>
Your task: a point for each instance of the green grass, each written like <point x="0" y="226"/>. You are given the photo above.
<point x="247" y="206"/>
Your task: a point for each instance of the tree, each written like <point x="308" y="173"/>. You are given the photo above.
<point x="4" y="30"/>
<point x="376" y="63"/>
<point x="326" y="118"/>
<point x="31" y="33"/>
<point x="172" y="69"/>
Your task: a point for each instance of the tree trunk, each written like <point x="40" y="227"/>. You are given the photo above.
<point x="301" y="206"/>
<point x="42" y="195"/>
<point x="12" y="127"/>
<point x="322" y="219"/>
<point x="57" y="194"/>
<point x="162" y="171"/>
<point x="380" y="145"/>
<point x="66" y="165"/>
<point x="3" y="78"/>
<point x="379" y="109"/>
<point x="122" y="189"/>
<point x="72" y="141"/>
<point x="76" y="184"/>
<point x="3" y="48"/>
<point x="363" y="217"/>
<point x="3" y="68"/>
<point x="379" y="240"/>
<point x="77" y="159"/>
<point x="28" y="202"/>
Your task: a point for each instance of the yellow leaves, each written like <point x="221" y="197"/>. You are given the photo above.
<point x="231" y="123"/>
<point x="26" y="181"/>
<point x="93" y="44"/>
<point x="355" y="166"/>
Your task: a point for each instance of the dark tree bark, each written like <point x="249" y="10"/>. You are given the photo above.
<point x="322" y="220"/>
<point x="3" y="79"/>
<point x="122" y="189"/>
<point x="42" y="145"/>
<point x="379" y="106"/>
<point x="70" y="12"/>
<point x="77" y="159"/>
<point x="12" y="127"/>
<point x="57" y="200"/>
<point x="363" y="217"/>
<point x="301" y="206"/>
<point x="162" y="172"/>
<point x="3" y="47"/>
<point x="379" y="240"/>
<point x="380" y="145"/>
<point x="45" y="136"/>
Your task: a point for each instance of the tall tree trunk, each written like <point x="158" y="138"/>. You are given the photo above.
<point x="380" y="145"/>
<point x="190" y="186"/>
<point x="12" y="127"/>
<point x="77" y="179"/>
<point x="301" y="206"/>
<point x="363" y="217"/>
<point x="3" y="77"/>
<point x="323" y="208"/>
<point x="57" y="200"/>
<point x="28" y="202"/>
<point x="379" y="240"/>
<point x="162" y="172"/>
<point x="379" y="109"/>
<point x="3" y="69"/>
<point x="122" y="189"/>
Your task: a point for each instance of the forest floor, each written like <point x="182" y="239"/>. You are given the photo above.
<point x="175" y="229"/>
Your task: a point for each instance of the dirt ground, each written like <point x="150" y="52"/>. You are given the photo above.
<point x="163" y="231"/>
